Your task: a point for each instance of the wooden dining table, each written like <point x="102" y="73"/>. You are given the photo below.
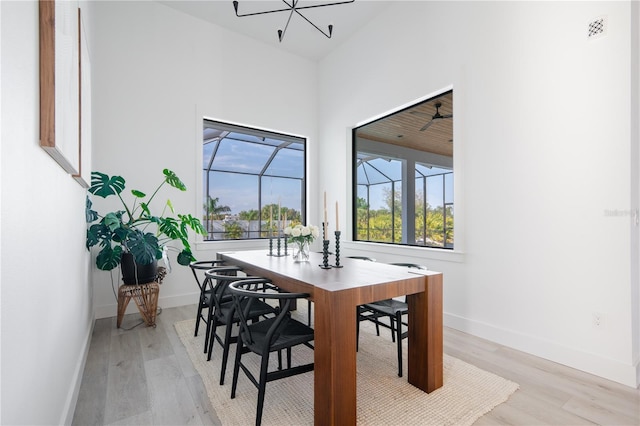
<point x="336" y="293"/>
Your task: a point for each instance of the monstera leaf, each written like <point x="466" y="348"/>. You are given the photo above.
<point x="144" y="247"/>
<point x="90" y="215"/>
<point x="103" y="185"/>
<point x="109" y="257"/>
<point x="185" y="257"/>
<point x="170" y="227"/>
<point x="173" y="180"/>
<point x="193" y="223"/>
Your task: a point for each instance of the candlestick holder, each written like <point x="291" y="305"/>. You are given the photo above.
<point x="270" y="246"/>
<point x="325" y="255"/>
<point x="278" y="245"/>
<point x="337" y="265"/>
<point x="286" y="246"/>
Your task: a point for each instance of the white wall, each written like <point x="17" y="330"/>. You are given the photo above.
<point x="157" y="73"/>
<point x="635" y="177"/>
<point x="542" y="140"/>
<point x="46" y="305"/>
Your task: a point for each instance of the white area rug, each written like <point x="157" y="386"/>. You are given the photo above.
<point x="383" y="397"/>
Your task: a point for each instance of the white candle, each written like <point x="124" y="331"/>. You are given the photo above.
<point x="270" y="220"/>
<point x="337" y="227"/>
<point x="325" y="209"/>
<point x="324" y="220"/>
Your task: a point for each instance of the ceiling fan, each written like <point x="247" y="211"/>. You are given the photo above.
<point x="436" y="116"/>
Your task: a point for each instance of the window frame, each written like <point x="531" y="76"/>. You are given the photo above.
<point x="447" y="202"/>
<point x="205" y="171"/>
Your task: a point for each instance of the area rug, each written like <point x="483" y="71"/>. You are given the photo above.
<point x="383" y="397"/>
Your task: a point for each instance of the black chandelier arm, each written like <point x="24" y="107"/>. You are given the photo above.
<point x="315" y="26"/>
<point x="282" y="32"/>
<point x="235" y="7"/>
<point x="236" y="3"/>
<point x="292" y="6"/>
<point x="318" y="5"/>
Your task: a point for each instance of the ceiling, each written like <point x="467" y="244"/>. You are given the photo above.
<point x="403" y="127"/>
<point x="300" y="38"/>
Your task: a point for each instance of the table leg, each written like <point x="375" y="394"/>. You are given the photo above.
<point x="334" y="358"/>
<point x="425" y="354"/>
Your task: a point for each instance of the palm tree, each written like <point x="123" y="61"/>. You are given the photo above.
<point x="249" y="214"/>
<point x="213" y="210"/>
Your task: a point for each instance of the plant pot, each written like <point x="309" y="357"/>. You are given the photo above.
<point x="133" y="273"/>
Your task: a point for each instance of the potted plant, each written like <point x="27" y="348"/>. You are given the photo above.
<point x="134" y="237"/>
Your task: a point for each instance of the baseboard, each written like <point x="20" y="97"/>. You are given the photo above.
<point x="72" y="397"/>
<point x="111" y="310"/>
<point x="616" y="371"/>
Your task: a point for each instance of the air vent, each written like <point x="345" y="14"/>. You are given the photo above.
<point x="597" y="28"/>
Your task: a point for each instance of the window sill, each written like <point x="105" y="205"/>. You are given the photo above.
<point x="384" y="250"/>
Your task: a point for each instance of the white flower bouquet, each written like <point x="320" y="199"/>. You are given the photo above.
<point x="300" y="233"/>
<point x="300" y="237"/>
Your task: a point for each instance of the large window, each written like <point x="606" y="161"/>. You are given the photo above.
<point x="403" y="176"/>
<point x="253" y="180"/>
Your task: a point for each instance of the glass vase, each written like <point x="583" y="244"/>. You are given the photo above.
<point x="300" y="251"/>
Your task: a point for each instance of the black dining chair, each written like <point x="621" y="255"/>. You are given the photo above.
<point x="199" y="268"/>
<point x="362" y="309"/>
<point x="223" y="312"/>
<point x="393" y="309"/>
<point x="266" y="336"/>
<point x="208" y="285"/>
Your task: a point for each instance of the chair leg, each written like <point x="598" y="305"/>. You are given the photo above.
<point x="399" y="341"/>
<point x="208" y="330"/>
<point x="309" y="312"/>
<point x="236" y="367"/>
<point x="210" y="338"/>
<point x="225" y="352"/>
<point x="198" y="318"/>
<point x="262" y="388"/>
<point x="393" y="328"/>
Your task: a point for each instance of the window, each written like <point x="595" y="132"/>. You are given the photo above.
<point x="253" y="180"/>
<point x="403" y="176"/>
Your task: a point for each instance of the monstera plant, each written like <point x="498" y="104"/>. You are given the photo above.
<point x="134" y="231"/>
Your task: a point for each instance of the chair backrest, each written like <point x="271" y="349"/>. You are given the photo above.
<point x="246" y="292"/>
<point x="203" y="265"/>
<point x="218" y="280"/>
<point x="409" y="265"/>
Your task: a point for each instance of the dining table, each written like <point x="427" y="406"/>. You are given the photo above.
<point x="336" y="293"/>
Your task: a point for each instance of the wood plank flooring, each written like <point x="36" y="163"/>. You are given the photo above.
<point x="143" y="376"/>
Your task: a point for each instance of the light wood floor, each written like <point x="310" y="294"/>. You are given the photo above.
<point x="143" y="376"/>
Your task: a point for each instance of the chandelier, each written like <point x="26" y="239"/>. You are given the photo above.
<point x="292" y="7"/>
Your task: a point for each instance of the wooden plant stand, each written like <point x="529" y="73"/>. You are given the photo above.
<point x="144" y="295"/>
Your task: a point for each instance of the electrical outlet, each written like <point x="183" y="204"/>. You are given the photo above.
<point x="597" y="319"/>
